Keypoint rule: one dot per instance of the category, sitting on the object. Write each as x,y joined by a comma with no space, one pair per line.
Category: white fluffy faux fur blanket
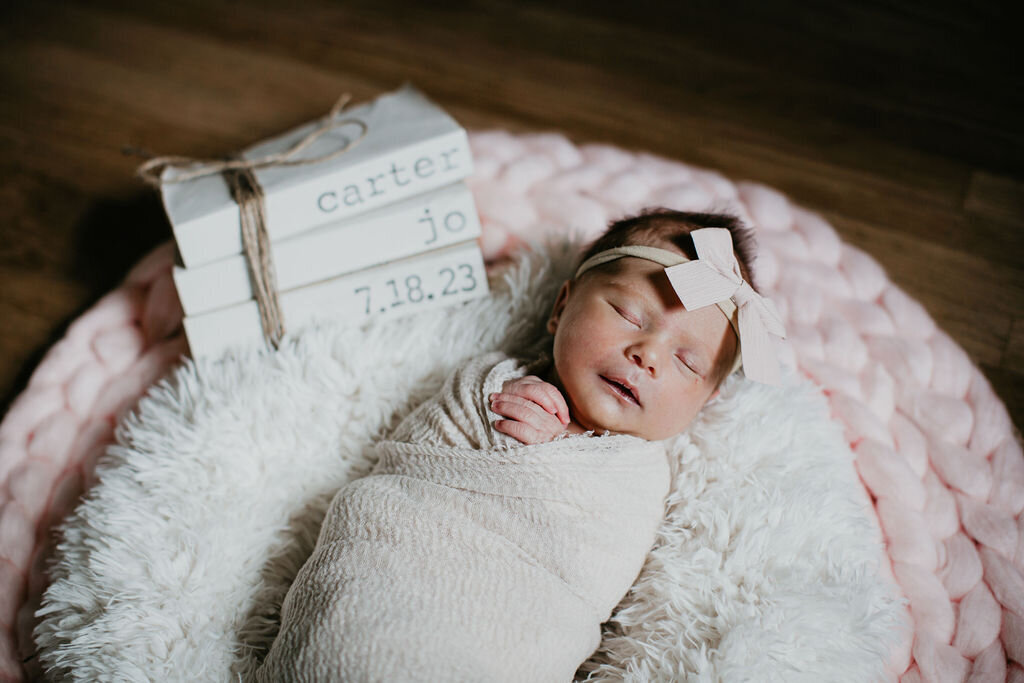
466,556
764,569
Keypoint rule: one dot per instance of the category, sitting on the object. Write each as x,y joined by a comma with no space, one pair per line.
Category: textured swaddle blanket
465,555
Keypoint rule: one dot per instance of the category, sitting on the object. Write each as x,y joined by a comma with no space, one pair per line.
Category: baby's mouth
623,390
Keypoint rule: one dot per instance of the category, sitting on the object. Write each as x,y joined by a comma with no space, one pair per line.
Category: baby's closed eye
691,364
627,315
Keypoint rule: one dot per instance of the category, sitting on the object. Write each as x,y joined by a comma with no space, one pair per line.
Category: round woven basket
935,447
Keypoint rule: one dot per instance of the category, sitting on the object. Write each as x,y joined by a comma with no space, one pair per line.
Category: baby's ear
556,310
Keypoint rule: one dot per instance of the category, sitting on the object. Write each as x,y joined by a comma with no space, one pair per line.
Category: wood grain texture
899,122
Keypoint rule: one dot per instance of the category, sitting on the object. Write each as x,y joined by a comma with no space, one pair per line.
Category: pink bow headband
714,278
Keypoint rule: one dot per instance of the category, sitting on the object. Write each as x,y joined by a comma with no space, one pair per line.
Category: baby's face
629,358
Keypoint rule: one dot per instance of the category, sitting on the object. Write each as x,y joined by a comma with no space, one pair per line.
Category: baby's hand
535,410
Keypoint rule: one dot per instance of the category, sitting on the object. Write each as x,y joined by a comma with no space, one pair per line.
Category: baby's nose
646,359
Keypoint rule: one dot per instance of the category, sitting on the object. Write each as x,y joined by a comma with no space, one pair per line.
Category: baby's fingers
539,425
521,432
519,408
544,394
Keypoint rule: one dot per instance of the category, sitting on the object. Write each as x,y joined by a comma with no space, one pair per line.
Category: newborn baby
507,516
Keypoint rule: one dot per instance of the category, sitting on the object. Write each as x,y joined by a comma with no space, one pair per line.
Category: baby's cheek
682,411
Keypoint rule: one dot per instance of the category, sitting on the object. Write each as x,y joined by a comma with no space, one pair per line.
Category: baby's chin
642,432
649,432
600,418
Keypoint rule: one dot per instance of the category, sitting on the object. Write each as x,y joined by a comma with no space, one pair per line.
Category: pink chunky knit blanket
935,447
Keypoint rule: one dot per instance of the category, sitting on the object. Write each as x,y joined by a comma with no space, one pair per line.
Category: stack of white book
384,229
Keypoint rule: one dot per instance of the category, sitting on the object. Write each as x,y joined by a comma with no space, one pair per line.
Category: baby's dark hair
655,226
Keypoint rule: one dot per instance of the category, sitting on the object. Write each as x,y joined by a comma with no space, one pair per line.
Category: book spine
332,197
426,222
446,276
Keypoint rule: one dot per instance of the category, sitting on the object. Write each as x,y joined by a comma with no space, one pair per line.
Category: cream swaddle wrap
466,556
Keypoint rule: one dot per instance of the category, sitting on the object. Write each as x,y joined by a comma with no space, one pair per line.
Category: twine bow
247,192
714,278
152,171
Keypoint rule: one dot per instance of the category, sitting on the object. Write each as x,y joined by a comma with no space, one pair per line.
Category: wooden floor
901,122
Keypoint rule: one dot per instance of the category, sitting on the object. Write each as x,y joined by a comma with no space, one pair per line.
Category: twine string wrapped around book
247,192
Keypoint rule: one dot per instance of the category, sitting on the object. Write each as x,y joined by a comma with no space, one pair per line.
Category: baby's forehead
625,270
633,275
